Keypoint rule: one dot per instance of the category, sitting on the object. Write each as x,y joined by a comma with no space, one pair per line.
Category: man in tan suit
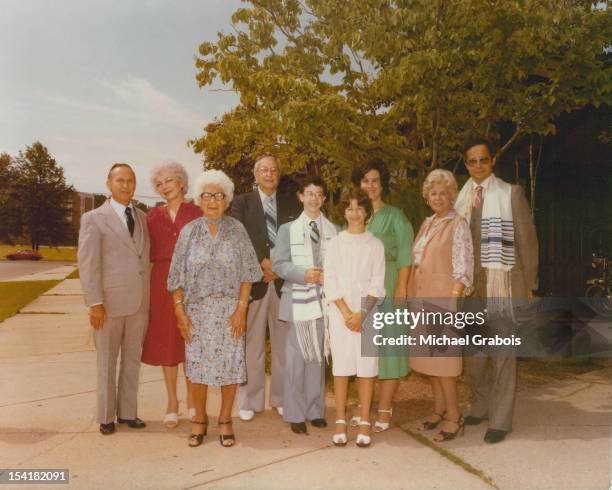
505,273
114,269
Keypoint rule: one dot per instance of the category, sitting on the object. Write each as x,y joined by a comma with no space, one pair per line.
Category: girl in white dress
354,269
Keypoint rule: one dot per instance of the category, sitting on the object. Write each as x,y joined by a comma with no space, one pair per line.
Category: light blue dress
209,269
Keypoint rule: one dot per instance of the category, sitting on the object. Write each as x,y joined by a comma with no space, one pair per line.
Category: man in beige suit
505,275
114,269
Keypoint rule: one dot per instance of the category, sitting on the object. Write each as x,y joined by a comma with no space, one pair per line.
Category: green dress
391,226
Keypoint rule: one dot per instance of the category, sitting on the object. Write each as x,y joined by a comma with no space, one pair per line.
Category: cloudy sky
108,80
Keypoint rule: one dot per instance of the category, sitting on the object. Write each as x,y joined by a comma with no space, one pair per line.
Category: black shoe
298,427
495,435
320,423
132,423
107,429
196,439
226,440
471,420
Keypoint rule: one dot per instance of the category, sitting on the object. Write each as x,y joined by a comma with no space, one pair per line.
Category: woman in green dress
391,226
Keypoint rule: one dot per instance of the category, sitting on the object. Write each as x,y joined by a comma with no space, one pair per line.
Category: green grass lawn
74,274
66,254
15,295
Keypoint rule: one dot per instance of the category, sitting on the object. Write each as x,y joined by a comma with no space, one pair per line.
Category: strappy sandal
363,440
340,439
229,438
196,439
429,425
383,426
171,420
355,419
449,436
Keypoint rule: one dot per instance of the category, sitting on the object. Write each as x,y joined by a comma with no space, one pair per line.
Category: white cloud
152,104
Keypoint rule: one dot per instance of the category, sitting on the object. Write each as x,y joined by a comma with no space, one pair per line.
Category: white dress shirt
120,210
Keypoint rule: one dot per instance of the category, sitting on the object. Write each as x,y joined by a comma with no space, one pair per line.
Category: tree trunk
533,172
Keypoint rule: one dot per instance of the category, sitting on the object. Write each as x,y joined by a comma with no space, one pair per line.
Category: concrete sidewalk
47,380
52,274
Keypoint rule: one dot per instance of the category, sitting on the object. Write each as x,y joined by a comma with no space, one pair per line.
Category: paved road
10,269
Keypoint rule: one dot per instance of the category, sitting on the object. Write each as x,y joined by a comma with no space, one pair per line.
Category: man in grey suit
113,260
511,256
298,259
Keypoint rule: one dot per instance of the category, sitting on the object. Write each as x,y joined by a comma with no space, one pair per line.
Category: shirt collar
263,196
120,208
308,219
449,215
485,183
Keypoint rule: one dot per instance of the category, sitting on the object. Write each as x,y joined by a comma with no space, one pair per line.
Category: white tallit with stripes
497,252
306,306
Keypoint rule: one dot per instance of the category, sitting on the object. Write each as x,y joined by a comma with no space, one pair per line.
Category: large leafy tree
41,196
326,84
10,214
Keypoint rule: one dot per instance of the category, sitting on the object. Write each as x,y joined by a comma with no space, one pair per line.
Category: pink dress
163,345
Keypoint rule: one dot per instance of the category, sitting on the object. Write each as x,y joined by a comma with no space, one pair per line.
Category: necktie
130,220
315,236
478,197
270,214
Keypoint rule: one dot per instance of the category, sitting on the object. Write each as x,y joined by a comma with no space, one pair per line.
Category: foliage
39,197
326,84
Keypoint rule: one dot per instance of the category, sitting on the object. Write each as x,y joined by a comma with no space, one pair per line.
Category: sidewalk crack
453,458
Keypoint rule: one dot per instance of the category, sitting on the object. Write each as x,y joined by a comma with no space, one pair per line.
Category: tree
10,213
326,84
42,196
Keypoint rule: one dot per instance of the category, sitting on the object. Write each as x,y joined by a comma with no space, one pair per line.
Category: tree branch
509,143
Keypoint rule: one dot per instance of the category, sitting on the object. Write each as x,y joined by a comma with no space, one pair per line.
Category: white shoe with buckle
383,426
340,439
363,440
246,415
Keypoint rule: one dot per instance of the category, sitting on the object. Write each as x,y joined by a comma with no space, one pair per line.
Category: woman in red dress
163,345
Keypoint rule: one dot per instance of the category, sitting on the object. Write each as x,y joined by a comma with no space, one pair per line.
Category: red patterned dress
163,345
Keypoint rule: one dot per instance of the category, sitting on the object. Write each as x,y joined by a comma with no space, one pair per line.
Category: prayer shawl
497,253
306,306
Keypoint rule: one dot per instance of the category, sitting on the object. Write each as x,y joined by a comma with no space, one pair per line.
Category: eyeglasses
482,162
268,170
209,196
161,183
317,195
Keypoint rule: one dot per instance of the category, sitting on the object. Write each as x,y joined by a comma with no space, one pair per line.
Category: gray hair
259,158
177,170
440,176
217,177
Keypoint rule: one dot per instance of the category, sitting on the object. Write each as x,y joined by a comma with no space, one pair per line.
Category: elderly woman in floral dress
213,268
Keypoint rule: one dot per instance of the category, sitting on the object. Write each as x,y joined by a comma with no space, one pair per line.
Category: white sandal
362,439
355,419
383,426
171,420
340,439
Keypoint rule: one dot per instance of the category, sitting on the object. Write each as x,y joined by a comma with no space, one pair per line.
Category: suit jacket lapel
141,232
259,210
116,226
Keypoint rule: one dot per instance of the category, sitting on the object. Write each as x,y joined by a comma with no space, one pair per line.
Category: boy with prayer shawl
505,273
298,259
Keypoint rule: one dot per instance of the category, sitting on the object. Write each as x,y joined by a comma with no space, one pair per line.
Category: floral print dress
209,269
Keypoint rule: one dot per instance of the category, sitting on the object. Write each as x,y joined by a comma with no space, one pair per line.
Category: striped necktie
270,214
315,236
